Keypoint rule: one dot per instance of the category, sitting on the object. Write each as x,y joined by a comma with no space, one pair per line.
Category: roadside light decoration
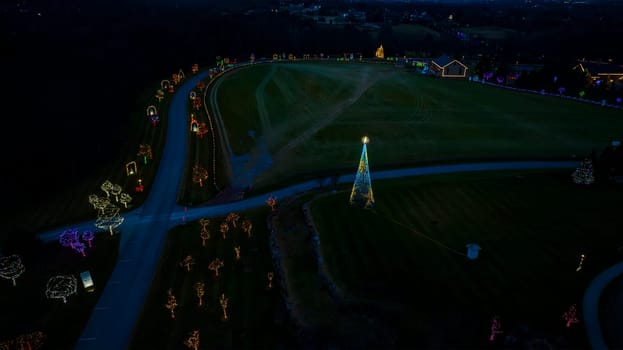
201,86
11,267
197,104
61,287
187,262
165,84
200,291
139,186
581,263
271,201
224,229
171,303
159,95
195,68
131,168
99,203
232,218
223,300
175,78
194,124
192,95
216,265
202,129
116,190
154,119
270,276
205,235
496,328
237,252
199,175
87,281
247,226
88,237
151,110
181,74
192,342
28,341
571,316
106,187
109,219
144,150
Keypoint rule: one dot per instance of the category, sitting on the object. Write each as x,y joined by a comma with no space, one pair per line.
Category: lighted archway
165,84
151,111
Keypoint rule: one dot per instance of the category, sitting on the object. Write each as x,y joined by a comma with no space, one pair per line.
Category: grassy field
312,116
404,262
26,309
257,315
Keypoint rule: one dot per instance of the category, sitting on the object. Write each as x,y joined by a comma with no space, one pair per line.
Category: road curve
144,230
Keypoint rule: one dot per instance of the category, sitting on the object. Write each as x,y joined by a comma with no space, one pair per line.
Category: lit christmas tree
584,174
362,195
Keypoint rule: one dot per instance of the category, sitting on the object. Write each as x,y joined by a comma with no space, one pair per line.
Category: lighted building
447,67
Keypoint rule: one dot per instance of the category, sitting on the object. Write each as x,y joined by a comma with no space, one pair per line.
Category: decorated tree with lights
30,341
80,247
93,198
202,129
60,287
192,341
204,222
205,235
224,301
224,229
232,218
125,198
106,187
187,262
200,291
237,252
247,226
116,190
100,203
361,194
200,174
69,238
109,219
216,265
571,316
144,151
11,267
271,202
584,174
171,302
88,237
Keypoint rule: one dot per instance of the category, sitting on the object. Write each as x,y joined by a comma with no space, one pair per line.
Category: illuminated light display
361,194
116,190
139,186
171,303
192,95
204,222
159,95
195,68
472,251
125,198
224,229
175,78
205,235
87,281
29,341
197,103
232,218
201,86
194,124
275,56
584,174
496,328
154,119
247,226
271,201
192,341
88,237
131,168
380,53
270,276
106,187
199,291
99,203
144,150
11,267
60,287
79,247
237,252
187,262
571,316
181,74
202,129
109,218
200,174
68,238
151,110
581,263
216,265
224,302
165,84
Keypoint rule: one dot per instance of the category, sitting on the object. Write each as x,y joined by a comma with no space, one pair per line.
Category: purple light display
88,236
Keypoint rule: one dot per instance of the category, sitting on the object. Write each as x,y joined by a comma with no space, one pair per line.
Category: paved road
144,230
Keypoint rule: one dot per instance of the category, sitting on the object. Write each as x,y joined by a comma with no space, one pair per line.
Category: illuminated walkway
144,231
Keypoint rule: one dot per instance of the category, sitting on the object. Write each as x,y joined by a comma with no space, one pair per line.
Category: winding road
144,230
